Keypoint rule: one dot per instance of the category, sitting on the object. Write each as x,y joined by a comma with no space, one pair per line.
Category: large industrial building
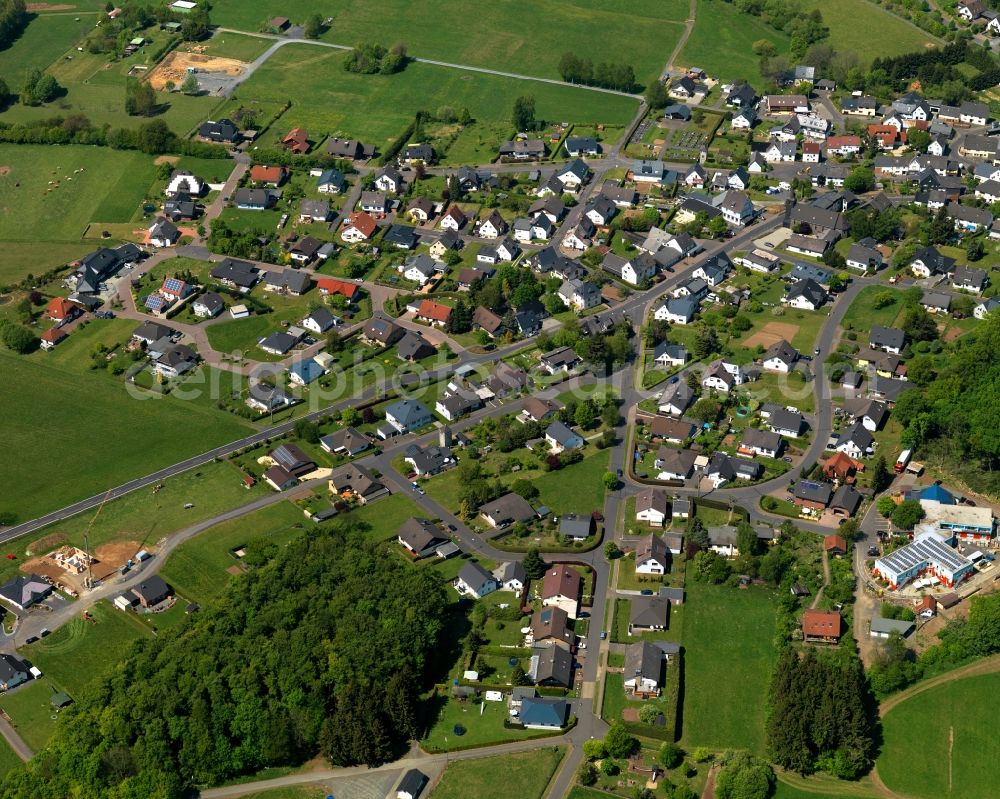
928,555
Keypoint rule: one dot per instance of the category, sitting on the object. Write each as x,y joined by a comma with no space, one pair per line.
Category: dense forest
820,714
322,648
954,418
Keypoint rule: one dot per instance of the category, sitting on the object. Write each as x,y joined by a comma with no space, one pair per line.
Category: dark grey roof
649,611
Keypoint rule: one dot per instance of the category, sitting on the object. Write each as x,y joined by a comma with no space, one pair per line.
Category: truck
902,460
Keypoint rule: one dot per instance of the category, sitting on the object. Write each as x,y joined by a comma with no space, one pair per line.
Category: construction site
71,569
213,73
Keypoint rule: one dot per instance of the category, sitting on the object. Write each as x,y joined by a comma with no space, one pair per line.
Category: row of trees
13,18
306,654
821,716
578,69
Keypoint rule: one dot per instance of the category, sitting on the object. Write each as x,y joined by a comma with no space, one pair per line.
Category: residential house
296,141
240,275
935,302
559,437
355,482
473,580
411,785
266,399
805,294
579,294
420,537
576,527
673,431
420,153
23,591
208,305
346,441
434,313
927,262
864,256
573,175
485,319
420,209
407,415
175,361
13,672
855,441
550,624
736,208
414,347
648,614
382,332
358,227
506,510
760,442
453,219
420,269
723,376
511,577
493,227
389,179
220,132
349,149
668,355
536,409
842,468
558,360
651,555
287,281
163,233
969,278
651,506
562,587
543,714
674,464
845,501
678,310
402,237
577,146
152,591
523,149
331,181
643,668
780,357
448,242
815,496
821,626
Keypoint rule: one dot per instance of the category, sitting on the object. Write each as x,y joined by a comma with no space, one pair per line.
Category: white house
651,556
473,580
186,183
651,506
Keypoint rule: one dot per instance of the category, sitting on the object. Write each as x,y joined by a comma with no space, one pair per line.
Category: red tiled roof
821,623
267,174
363,221
834,542
843,141
53,335
434,311
330,285
59,309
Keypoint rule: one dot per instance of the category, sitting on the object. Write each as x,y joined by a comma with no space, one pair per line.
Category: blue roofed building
304,372
543,714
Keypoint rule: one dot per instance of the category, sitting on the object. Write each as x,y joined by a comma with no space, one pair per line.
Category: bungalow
61,311
434,313
414,347
537,410
374,202
421,153
265,399
523,149
152,591
648,614
807,245
760,442
356,483
420,537
473,580
967,218
783,421
577,146
287,281
24,591
562,587
559,437
349,149
236,274
562,359
576,527
402,237
651,172
458,403
51,337
864,256
506,510
346,441
651,506
935,302
969,278
272,176
673,431
314,211
543,714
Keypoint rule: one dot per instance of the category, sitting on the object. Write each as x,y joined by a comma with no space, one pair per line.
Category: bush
671,755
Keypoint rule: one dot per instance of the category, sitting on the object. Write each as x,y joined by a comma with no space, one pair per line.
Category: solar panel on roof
173,285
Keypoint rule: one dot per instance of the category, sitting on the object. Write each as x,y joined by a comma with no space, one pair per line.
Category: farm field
197,568
523,774
31,712
125,437
42,221
850,22
326,100
726,632
79,652
822,786
225,44
953,742
450,30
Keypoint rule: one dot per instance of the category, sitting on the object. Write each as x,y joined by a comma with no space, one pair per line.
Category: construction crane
86,540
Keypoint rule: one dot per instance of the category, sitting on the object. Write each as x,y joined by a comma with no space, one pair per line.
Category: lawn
483,723
576,489
326,100
121,437
446,30
78,652
727,632
850,21
225,44
821,786
8,760
945,725
53,193
31,713
525,775
197,568
862,313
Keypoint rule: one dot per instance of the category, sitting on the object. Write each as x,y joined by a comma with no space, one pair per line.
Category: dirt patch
66,566
234,570
4,171
47,543
38,7
951,334
174,67
770,333
166,159
630,714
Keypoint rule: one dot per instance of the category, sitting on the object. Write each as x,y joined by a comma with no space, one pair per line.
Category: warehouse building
926,556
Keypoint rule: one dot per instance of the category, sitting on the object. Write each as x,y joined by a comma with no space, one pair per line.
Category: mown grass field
41,223
79,652
197,568
526,38
8,760
233,45
31,714
862,313
851,23
729,653
326,100
78,432
47,38
945,725
523,774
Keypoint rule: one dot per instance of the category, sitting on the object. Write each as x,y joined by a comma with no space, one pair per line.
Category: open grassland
945,725
80,651
822,786
727,632
197,568
103,435
523,774
51,194
8,760
527,38
326,100
851,23
862,313
47,38
234,45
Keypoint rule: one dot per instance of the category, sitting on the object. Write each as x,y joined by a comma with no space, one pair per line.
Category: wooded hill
321,649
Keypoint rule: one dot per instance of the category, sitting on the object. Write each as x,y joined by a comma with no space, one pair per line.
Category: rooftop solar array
925,549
